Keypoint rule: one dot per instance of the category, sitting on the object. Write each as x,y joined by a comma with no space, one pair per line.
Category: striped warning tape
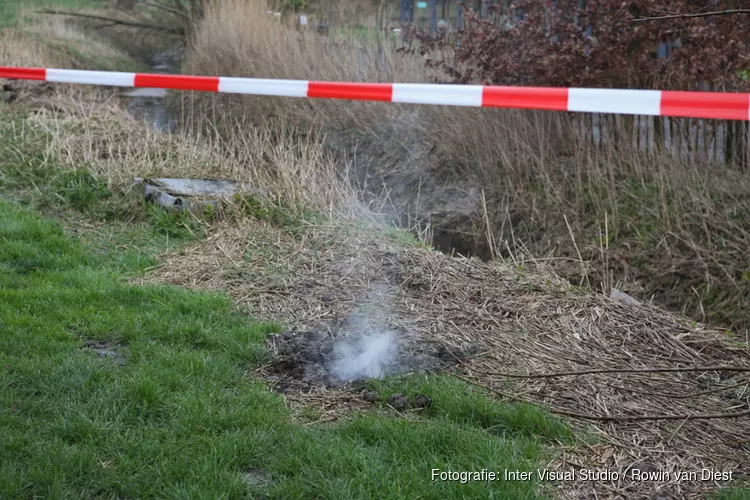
717,105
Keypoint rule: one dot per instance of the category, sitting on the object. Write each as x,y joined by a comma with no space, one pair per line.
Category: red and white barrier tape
717,105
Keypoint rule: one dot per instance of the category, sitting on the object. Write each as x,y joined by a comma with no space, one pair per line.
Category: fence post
736,144
659,140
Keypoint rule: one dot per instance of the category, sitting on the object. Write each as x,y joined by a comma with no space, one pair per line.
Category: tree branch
701,14
104,25
178,31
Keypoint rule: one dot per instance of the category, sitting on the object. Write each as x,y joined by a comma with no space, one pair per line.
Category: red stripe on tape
177,82
358,91
717,105
23,73
525,97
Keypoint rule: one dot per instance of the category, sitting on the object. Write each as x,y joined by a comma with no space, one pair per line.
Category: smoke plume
366,355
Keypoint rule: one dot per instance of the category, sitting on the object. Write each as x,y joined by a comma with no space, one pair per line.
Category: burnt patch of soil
106,350
312,358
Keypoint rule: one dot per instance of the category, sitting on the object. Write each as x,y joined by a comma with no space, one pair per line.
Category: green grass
732,494
275,213
32,178
405,238
180,417
455,403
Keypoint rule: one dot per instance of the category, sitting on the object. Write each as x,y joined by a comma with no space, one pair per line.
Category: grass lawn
175,414
168,407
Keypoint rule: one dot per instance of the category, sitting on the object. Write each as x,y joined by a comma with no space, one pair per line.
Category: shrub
579,43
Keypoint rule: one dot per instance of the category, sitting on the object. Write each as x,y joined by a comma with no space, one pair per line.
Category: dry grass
94,130
227,42
88,126
52,41
518,320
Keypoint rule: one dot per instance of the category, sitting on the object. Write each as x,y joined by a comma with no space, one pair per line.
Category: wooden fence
716,141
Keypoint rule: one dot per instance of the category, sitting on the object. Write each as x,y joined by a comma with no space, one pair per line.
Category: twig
180,31
580,258
496,391
620,370
226,254
103,25
702,14
605,418
267,290
671,437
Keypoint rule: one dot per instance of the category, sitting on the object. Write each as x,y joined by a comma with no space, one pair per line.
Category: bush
574,43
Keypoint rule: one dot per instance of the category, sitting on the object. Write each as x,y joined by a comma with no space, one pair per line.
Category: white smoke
368,355
366,347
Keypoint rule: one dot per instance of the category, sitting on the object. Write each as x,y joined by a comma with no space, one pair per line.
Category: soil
304,360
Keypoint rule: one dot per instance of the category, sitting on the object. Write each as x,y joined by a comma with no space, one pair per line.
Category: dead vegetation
57,42
84,126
